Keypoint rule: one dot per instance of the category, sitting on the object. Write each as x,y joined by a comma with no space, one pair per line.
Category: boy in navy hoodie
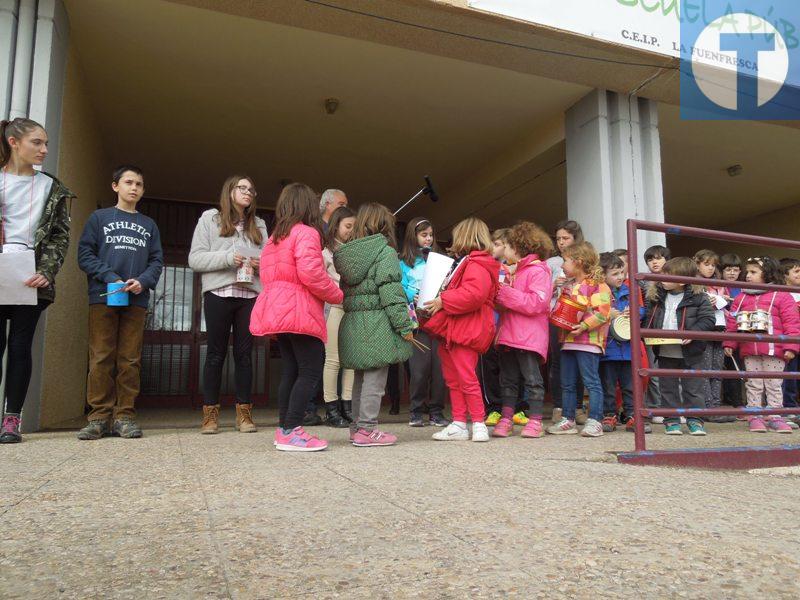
615,364
118,245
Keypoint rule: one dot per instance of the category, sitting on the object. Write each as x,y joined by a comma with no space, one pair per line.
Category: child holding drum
775,313
120,252
583,344
615,364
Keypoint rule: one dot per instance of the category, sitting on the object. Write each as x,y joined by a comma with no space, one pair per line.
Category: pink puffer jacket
525,306
785,321
295,286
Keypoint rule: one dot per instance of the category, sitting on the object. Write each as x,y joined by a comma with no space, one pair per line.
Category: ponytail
16,128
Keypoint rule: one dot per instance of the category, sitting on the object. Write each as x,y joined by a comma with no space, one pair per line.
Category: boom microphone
431,192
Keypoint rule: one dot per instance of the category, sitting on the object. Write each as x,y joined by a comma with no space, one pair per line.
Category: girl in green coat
376,330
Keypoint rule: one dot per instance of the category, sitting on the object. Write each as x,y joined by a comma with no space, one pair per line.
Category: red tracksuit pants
458,369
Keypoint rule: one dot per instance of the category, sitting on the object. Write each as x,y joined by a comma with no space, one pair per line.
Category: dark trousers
489,378
732,388
790,385
521,365
222,315
22,320
302,360
426,385
554,371
683,392
577,366
613,372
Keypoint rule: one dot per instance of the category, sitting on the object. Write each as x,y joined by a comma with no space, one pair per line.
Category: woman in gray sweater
226,247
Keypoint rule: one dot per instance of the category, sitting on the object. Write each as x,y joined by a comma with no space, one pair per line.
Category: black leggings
23,321
302,359
222,314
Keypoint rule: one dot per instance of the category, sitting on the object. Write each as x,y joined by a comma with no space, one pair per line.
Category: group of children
347,300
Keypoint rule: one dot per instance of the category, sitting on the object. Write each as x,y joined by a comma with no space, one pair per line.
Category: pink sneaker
757,425
504,428
364,438
298,440
533,429
778,425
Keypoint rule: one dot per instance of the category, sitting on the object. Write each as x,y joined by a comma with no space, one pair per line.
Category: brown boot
244,418
210,419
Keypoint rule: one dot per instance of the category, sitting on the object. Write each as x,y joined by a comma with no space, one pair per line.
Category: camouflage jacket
51,239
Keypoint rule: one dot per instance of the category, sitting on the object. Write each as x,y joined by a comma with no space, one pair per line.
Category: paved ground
179,515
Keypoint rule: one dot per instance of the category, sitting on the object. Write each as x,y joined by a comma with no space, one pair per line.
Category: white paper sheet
436,269
15,269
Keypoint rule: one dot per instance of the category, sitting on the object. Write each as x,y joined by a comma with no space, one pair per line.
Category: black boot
312,419
333,416
347,410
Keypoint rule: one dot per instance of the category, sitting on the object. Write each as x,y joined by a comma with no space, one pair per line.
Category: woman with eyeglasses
226,247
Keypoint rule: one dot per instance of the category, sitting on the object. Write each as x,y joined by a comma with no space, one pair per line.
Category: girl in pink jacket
295,288
522,340
784,319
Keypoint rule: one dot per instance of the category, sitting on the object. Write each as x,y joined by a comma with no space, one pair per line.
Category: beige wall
82,168
784,224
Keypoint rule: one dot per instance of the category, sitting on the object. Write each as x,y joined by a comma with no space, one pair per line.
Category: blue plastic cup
116,298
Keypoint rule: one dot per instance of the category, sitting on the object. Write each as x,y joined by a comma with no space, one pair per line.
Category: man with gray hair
329,202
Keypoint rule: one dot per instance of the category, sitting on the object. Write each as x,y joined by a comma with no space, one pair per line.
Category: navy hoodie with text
118,245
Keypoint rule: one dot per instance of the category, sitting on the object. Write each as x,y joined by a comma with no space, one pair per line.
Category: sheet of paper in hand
15,269
436,269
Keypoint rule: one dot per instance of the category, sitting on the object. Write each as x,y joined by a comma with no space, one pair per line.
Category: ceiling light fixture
331,105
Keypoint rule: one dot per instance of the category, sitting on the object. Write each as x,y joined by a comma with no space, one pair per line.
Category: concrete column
36,68
614,167
9,11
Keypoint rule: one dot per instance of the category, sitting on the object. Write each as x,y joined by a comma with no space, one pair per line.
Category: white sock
461,424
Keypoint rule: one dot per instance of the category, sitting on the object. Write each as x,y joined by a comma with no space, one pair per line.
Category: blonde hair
469,235
374,218
584,254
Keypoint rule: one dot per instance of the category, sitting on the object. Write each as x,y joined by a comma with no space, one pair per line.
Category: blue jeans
790,385
587,364
611,373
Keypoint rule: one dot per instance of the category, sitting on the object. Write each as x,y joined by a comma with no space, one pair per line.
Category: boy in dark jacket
615,364
675,306
118,245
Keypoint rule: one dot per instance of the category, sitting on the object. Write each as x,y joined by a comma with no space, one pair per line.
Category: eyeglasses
246,190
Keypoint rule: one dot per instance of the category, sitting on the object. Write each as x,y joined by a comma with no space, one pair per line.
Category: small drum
743,322
759,321
621,329
567,313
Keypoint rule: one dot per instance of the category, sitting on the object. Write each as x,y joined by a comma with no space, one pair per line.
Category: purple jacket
525,306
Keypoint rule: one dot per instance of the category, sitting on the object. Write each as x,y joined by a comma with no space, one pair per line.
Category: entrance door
175,340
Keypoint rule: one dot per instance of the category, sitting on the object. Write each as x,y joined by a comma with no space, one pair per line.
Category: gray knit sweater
212,255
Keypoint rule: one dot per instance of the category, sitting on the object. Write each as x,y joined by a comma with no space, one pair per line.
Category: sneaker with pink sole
298,440
365,439
778,425
504,428
757,425
533,429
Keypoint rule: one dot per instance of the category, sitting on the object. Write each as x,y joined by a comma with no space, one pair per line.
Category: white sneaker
658,420
480,433
454,432
592,428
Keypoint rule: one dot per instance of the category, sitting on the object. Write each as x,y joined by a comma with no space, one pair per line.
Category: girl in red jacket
462,318
784,319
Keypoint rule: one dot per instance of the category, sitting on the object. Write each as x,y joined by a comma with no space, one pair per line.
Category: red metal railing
638,333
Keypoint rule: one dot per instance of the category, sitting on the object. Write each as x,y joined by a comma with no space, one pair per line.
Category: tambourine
620,329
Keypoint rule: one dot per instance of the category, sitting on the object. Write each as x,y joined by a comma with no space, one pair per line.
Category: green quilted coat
375,306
